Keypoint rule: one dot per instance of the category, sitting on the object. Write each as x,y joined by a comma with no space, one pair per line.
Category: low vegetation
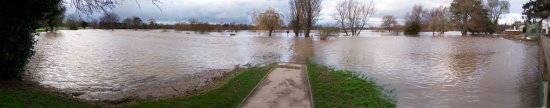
229,95
327,31
341,88
20,94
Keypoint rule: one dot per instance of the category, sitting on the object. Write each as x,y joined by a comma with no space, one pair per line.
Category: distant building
514,29
546,26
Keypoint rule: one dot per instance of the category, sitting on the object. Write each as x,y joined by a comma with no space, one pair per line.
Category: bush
72,22
19,20
412,29
326,32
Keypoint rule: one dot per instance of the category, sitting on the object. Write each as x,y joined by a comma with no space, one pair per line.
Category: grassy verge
341,88
42,29
31,98
15,95
227,96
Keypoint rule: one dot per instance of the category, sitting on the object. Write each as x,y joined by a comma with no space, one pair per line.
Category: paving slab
285,87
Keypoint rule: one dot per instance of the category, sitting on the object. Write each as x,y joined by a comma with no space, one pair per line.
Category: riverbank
227,96
341,88
230,91
24,94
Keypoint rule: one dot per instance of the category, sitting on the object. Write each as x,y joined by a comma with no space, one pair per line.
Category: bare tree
389,23
136,22
354,15
152,23
305,13
109,20
414,20
296,16
496,8
342,11
463,11
54,18
439,20
127,23
91,6
312,11
268,20
72,22
94,23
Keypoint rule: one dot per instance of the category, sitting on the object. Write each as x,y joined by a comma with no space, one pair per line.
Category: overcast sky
226,11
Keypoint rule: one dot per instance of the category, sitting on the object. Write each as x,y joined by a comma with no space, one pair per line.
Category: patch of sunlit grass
341,88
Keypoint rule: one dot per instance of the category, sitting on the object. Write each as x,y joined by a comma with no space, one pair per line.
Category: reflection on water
422,71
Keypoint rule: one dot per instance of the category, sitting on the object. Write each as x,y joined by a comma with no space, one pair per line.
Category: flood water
423,71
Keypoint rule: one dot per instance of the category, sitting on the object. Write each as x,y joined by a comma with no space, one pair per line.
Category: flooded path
286,86
424,71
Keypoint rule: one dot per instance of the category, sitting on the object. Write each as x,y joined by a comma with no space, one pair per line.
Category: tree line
473,16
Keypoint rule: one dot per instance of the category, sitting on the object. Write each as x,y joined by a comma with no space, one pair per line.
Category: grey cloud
225,11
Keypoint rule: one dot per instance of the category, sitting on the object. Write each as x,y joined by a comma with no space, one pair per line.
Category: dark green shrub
412,29
19,19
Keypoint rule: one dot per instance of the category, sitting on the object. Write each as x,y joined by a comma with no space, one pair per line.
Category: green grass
228,96
341,88
42,29
37,99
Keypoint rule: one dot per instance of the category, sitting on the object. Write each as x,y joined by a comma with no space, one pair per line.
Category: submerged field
229,94
341,88
423,71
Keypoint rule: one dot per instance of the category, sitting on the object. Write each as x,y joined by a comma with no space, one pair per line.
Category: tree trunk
344,28
307,29
270,31
306,32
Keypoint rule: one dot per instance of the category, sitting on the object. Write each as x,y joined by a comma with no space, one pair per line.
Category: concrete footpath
285,87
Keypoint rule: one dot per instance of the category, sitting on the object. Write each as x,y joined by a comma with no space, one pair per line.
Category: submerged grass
38,99
227,96
341,88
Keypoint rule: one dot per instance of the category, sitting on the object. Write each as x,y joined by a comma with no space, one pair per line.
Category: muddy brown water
423,71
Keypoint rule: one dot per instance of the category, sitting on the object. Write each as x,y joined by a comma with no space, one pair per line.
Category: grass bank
341,88
227,96
24,95
42,29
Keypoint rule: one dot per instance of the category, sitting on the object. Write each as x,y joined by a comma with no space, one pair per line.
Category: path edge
309,86
254,89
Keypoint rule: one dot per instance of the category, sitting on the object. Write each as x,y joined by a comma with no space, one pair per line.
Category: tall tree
342,11
463,11
127,23
536,11
152,23
83,24
54,18
136,22
354,15
109,20
389,23
72,22
439,20
304,15
312,11
496,8
296,16
19,21
414,19
480,21
269,20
